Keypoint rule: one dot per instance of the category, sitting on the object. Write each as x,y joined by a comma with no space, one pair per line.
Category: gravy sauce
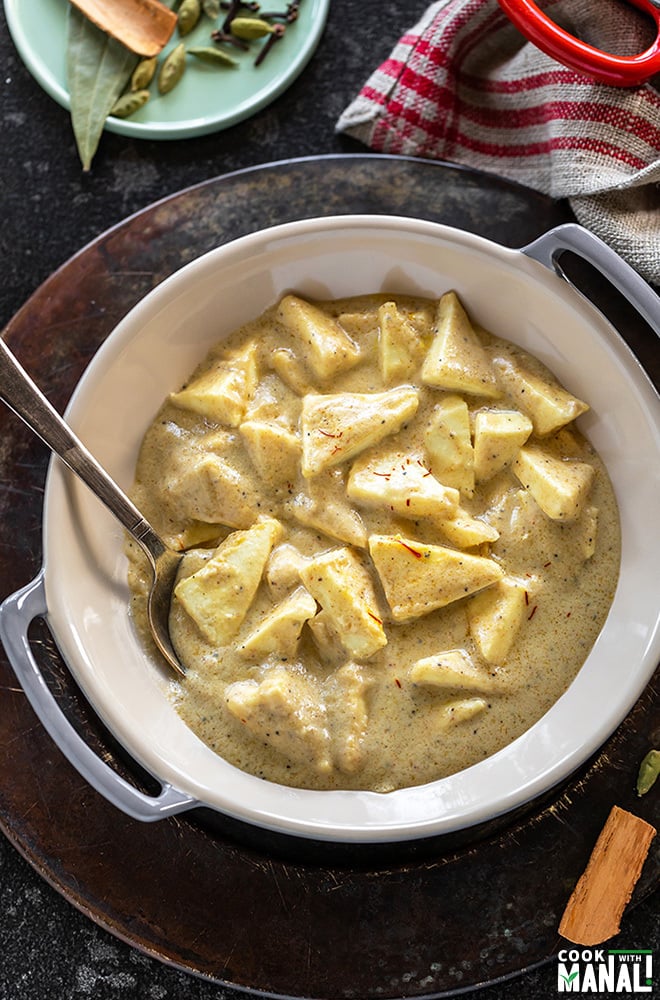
400,549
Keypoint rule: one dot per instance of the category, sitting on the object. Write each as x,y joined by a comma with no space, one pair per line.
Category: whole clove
232,10
275,35
288,16
220,36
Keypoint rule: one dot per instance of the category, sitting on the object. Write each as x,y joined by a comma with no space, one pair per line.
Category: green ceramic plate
207,99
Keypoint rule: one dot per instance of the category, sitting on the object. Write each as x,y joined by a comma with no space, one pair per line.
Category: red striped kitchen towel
464,86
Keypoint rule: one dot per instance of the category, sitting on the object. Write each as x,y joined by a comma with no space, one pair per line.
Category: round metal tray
238,906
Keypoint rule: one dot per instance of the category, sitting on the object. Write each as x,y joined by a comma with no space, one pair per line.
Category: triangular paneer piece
559,486
345,692
218,596
338,426
212,490
456,359
419,578
399,343
464,531
454,713
324,347
279,630
449,445
402,483
273,449
333,517
495,617
548,405
452,669
498,436
343,587
284,710
282,572
222,392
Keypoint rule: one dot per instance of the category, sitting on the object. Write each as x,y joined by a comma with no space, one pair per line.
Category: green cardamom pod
189,14
211,8
172,69
129,103
211,55
143,73
649,770
249,28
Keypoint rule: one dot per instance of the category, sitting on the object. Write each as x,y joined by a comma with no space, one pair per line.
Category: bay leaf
98,70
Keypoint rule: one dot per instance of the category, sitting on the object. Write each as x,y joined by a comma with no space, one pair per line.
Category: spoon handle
22,396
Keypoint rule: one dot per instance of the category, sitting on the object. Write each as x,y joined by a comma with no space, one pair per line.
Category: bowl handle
16,614
571,236
617,71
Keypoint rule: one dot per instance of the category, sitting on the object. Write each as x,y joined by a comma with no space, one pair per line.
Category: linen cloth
462,85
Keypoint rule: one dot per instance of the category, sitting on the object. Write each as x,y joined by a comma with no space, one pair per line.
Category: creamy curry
399,547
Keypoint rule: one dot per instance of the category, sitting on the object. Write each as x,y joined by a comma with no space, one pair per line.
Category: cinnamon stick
143,26
593,913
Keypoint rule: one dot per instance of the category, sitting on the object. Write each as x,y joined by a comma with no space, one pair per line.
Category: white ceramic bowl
161,340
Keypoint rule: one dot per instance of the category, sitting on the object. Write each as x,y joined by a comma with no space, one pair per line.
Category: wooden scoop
143,26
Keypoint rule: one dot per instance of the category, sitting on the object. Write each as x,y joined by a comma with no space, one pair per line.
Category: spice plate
266,913
207,99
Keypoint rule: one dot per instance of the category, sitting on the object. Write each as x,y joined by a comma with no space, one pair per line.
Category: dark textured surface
454,918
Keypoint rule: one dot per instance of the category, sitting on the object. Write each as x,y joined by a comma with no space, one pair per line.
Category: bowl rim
413,818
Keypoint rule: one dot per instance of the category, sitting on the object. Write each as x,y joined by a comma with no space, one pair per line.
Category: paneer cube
548,405
334,518
342,586
402,483
279,630
419,578
449,444
498,436
221,394
346,701
218,596
454,713
336,427
450,670
456,359
495,617
285,711
559,486
399,344
326,639
588,532
465,531
566,442
274,402
273,449
291,372
283,570
212,490
423,319
322,344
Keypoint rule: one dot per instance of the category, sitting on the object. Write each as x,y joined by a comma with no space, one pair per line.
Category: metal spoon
21,395
143,26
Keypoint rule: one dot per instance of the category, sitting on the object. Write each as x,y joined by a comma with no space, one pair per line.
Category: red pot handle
618,71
